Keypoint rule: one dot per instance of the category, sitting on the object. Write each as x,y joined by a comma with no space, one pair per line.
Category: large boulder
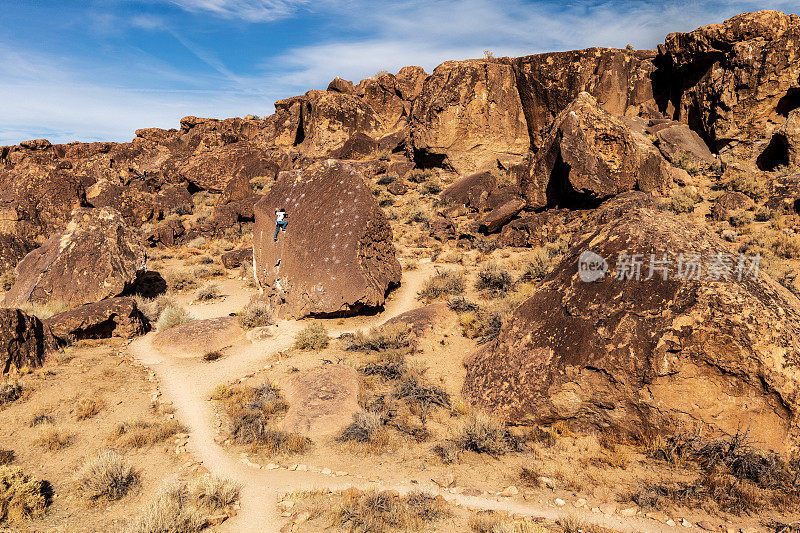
683,147
468,115
647,355
589,155
736,82
23,342
618,79
115,317
336,254
96,257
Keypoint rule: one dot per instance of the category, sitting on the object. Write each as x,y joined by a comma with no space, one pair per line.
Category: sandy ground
188,383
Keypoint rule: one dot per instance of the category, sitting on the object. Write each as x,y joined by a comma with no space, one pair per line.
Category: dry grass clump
142,433
493,279
87,408
213,493
735,476
54,439
41,417
540,263
151,308
746,183
376,512
106,476
10,391
251,412
173,316
387,337
442,285
208,271
682,200
255,315
422,397
43,311
22,497
492,522
368,432
208,293
7,456
484,323
181,280
312,337
419,175
213,355
484,434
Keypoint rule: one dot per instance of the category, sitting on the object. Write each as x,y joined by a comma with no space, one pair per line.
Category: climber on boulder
281,221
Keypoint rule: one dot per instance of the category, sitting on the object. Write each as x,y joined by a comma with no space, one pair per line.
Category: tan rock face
589,155
638,356
199,337
548,83
23,342
336,254
736,82
468,115
321,400
96,257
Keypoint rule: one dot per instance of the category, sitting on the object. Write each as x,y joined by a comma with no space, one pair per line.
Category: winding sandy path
188,383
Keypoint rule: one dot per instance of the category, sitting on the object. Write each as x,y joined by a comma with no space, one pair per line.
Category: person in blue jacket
281,221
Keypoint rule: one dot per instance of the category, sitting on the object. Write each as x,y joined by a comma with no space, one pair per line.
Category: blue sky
99,69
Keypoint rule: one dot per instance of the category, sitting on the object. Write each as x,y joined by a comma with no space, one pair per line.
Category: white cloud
247,10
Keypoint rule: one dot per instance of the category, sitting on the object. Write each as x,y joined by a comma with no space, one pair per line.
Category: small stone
509,491
302,468
706,525
445,481
580,502
547,482
685,523
560,502
326,471
608,509
630,511
671,522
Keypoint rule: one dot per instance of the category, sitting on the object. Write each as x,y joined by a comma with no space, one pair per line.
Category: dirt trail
187,383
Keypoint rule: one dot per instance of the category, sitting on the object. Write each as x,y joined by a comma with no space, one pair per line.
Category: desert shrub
387,337
214,493
384,155
484,434
485,245
432,186
312,337
741,219
197,242
9,392
7,279
41,417
87,408
424,396
374,511
181,281
387,368
273,442
208,293
492,522
22,497
364,427
493,279
745,183
143,433
419,214
43,311
786,246
764,214
171,317
169,511
484,324
53,439
213,355
539,265
151,308
255,315
441,285
682,200
460,304
208,271
419,175
447,451
106,476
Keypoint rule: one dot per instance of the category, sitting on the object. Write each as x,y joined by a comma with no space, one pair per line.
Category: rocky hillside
533,149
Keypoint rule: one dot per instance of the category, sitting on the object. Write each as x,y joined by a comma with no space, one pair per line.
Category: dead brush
54,439
143,433
22,497
484,434
7,456
377,512
255,315
421,396
10,391
441,285
493,280
106,476
87,408
368,431
388,337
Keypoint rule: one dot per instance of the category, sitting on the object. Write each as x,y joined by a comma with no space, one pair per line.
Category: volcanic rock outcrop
23,341
736,82
336,255
96,257
468,115
639,356
115,317
589,155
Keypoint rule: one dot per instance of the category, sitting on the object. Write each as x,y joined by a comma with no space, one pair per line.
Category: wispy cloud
247,10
